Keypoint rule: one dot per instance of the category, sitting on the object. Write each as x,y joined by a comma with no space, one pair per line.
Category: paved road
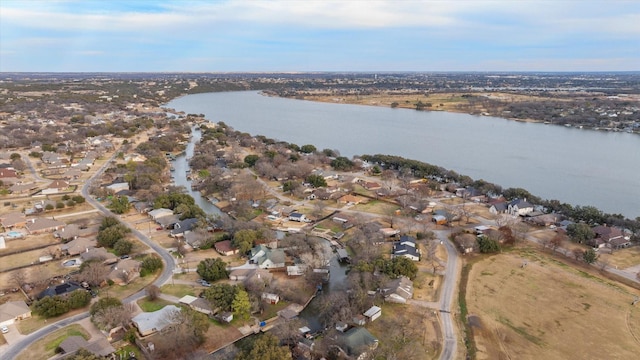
167,272
446,299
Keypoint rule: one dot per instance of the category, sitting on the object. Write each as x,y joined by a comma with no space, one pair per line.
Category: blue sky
319,35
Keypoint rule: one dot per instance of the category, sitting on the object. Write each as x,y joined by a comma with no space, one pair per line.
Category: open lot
549,310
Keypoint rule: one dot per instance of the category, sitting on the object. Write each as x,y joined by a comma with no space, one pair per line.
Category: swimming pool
14,234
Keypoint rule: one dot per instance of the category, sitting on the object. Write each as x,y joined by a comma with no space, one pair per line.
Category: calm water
580,167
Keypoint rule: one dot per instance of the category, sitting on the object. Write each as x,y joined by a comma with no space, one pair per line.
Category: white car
4,329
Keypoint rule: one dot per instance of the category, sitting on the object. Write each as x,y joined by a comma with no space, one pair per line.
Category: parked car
4,329
204,283
124,257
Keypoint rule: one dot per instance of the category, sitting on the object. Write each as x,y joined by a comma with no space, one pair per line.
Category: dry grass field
549,310
45,347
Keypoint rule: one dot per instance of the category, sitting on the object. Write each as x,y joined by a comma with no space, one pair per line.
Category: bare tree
153,292
19,279
113,316
94,272
577,254
556,241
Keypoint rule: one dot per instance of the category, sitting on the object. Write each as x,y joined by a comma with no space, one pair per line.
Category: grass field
178,290
45,348
549,310
151,306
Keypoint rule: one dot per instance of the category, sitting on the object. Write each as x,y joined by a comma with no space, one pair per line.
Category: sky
319,35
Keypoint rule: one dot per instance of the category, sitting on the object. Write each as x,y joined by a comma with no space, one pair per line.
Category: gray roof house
398,290
267,258
151,322
183,227
357,342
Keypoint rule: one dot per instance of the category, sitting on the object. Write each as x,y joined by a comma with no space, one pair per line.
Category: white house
519,207
151,322
373,313
296,216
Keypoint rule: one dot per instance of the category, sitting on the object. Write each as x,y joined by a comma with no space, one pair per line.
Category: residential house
399,290
99,254
60,290
195,239
406,247
349,200
225,248
167,222
466,242
359,320
158,213
149,323
373,313
119,186
439,219
519,207
388,232
13,220
78,246
125,271
296,216
225,316
357,342
55,187
498,208
70,232
100,347
197,304
609,236
371,185
267,258
270,298
13,311
22,188
183,227
7,173
43,225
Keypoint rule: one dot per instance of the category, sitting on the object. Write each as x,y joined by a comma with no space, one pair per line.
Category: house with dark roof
406,247
519,207
183,227
498,208
60,290
609,236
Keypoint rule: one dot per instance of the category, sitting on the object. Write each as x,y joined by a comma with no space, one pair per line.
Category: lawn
541,311
376,207
45,347
178,290
151,306
272,310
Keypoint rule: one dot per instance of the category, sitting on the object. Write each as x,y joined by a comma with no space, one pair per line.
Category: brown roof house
55,187
197,304
225,248
77,246
125,271
43,225
7,173
610,236
13,311
13,220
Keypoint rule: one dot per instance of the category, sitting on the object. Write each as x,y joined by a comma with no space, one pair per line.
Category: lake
579,167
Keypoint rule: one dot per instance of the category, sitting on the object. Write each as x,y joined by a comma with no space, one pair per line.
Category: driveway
13,336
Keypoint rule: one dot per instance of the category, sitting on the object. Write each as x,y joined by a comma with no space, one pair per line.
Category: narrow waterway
179,175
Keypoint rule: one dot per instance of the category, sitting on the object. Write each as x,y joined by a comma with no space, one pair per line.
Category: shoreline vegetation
491,103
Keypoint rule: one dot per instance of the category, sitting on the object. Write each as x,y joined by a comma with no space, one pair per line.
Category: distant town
129,230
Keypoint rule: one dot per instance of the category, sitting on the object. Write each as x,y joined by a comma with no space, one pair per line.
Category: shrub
122,247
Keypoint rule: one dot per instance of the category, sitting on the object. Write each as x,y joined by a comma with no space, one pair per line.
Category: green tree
316,180
120,205
221,295
488,245
48,207
251,160
342,163
122,247
110,236
150,264
400,266
244,240
265,347
59,205
51,306
580,233
108,222
241,305
79,298
104,303
289,186
14,156
307,149
590,256
213,269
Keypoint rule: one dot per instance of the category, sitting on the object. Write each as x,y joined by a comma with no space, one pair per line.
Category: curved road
446,299
167,272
